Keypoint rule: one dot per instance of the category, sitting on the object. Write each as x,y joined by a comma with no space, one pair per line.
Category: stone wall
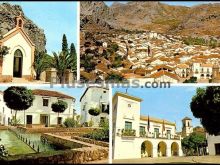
75,156
63,141
91,141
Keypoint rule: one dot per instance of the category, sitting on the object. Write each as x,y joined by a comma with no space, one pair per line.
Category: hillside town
150,57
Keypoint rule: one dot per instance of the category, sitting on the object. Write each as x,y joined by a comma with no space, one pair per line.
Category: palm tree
42,62
61,62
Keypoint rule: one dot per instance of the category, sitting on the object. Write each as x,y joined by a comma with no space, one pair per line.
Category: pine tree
64,44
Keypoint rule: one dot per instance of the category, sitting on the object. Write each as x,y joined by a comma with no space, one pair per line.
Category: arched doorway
146,149
174,149
161,149
18,60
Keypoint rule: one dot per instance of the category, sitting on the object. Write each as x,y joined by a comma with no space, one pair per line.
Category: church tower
187,127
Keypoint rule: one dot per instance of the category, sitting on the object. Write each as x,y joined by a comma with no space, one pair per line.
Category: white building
202,71
19,62
213,144
94,97
40,114
136,136
5,112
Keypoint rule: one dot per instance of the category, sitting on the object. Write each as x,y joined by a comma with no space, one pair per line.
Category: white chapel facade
18,63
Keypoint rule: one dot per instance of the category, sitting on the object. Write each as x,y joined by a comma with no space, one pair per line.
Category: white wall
38,109
14,43
5,112
130,147
212,140
92,99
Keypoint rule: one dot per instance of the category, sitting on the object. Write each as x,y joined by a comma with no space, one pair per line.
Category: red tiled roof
42,92
162,72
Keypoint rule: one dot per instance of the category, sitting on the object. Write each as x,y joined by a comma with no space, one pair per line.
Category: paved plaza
189,159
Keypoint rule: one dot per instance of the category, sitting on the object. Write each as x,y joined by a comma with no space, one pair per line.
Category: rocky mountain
8,13
156,16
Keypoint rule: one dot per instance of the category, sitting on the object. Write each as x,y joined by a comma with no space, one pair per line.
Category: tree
42,62
191,80
4,50
61,62
64,44
192,143
59,107
206,106
73,56
18,98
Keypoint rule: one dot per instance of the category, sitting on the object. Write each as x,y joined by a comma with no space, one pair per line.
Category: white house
202,71
136,136
5,112
40,114
94,97
213,144
19,62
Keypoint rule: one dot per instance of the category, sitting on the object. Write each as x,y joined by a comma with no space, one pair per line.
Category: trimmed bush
94,111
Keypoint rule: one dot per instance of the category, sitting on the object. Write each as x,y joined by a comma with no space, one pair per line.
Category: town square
165,130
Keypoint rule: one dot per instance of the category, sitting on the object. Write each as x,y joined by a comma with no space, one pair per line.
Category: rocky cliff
157,16
8,13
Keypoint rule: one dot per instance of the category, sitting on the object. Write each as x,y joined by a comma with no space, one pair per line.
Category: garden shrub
94,111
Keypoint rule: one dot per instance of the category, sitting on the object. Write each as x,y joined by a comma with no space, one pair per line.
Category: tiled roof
162,66
162,72
207,65
182,66
131,75
43,92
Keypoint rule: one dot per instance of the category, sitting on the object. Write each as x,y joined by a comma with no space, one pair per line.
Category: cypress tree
64,44
73,56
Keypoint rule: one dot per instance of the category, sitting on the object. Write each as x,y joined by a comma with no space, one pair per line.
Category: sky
55,18
74,92
172,104
181,3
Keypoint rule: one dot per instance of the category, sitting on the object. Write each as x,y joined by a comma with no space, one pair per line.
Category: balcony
128,132
144,134
159,135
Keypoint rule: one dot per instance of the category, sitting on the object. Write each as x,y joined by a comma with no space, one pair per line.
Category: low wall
76,156
91,141
3,127
55,129
63,141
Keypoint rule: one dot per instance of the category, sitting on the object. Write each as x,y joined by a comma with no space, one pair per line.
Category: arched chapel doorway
18,60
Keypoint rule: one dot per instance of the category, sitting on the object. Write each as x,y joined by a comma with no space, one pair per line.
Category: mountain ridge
201,19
